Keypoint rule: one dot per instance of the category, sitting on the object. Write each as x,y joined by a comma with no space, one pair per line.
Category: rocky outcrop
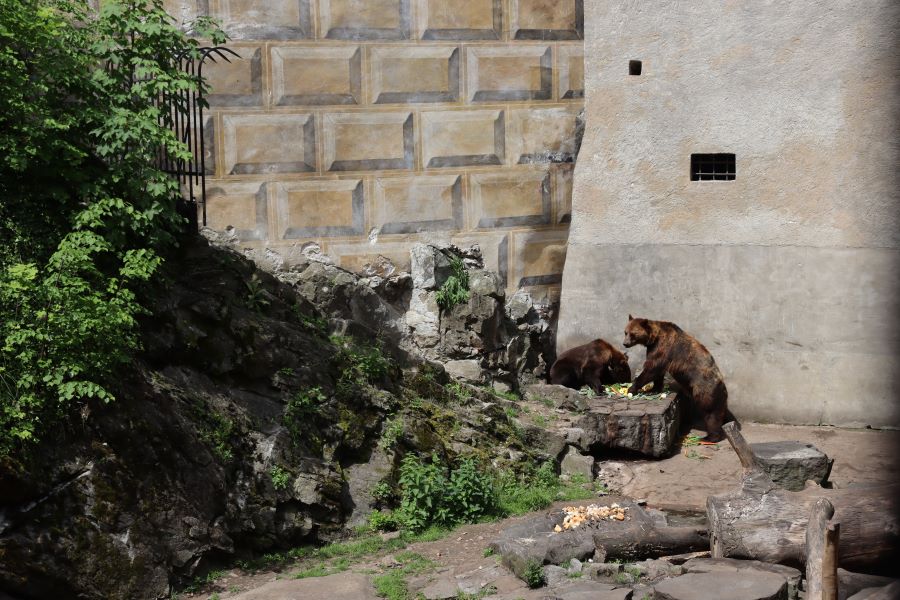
488,339
243,427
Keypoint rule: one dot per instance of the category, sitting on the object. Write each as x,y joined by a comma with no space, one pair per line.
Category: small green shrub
422,485
385,521
429,497
359,364
256,298
299,408
215,431
455,290
393,431
382,492
469,496
534,574
281,478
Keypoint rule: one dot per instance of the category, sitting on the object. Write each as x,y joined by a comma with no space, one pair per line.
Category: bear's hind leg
714,420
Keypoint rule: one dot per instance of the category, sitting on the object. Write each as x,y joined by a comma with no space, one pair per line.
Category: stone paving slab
341,586
744,585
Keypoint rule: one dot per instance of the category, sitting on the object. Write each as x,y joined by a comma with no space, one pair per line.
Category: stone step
740,585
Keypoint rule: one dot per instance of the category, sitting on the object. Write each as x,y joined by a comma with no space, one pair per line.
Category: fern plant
455,290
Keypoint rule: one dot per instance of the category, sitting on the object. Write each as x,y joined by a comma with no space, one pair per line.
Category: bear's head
638,331
617,369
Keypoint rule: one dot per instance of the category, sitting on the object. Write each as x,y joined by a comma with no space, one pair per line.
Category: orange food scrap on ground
576,515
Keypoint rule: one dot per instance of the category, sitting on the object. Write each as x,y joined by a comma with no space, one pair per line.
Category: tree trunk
821,552
763,522
641,541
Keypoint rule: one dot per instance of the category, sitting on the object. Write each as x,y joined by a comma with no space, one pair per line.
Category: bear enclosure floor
681,481
684,480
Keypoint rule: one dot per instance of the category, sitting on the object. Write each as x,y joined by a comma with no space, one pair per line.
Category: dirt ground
680,482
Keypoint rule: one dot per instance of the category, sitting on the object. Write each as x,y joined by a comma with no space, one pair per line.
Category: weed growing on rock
393,431
281,478
382,492
456,289
299,408
256,294
458,392
216,432
359,364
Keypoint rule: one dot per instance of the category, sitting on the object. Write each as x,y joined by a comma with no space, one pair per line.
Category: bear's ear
630,318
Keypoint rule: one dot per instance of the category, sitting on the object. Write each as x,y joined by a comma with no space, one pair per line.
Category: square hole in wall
713,167
634,67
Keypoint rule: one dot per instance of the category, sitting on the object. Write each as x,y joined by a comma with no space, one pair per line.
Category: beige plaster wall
367,125
789,274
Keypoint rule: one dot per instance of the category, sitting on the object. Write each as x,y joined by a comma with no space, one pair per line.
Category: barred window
713,167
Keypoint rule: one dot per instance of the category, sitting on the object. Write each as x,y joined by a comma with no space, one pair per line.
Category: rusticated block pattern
269,19
570,60
236,81
546,19
538,258
510,198
364,19
465,137
307,209
269,143
460,19
368,141
542,135
415,204
379,123
358,256
315,76
241,206
505,73
415,74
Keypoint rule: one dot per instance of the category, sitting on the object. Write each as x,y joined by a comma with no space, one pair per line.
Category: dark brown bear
671,350
594,364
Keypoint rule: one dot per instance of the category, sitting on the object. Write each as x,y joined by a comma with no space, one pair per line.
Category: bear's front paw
633,390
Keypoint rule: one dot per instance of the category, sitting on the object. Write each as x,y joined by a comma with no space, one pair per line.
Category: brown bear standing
671,350
594,364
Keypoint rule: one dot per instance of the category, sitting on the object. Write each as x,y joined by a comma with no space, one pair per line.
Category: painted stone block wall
367,125
790,273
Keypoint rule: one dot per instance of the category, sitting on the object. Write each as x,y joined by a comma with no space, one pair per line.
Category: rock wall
369,125
261,415
789,272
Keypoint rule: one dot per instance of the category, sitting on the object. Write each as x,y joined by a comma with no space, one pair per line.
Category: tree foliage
84,214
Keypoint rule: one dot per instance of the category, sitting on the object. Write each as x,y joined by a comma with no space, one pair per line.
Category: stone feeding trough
647,424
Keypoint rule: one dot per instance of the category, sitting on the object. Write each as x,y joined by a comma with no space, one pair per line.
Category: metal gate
183,113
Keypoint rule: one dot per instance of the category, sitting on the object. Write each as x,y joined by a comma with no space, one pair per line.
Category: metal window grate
713,167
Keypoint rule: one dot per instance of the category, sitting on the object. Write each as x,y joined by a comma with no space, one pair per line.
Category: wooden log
850,583
642,541
821,552
763,522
